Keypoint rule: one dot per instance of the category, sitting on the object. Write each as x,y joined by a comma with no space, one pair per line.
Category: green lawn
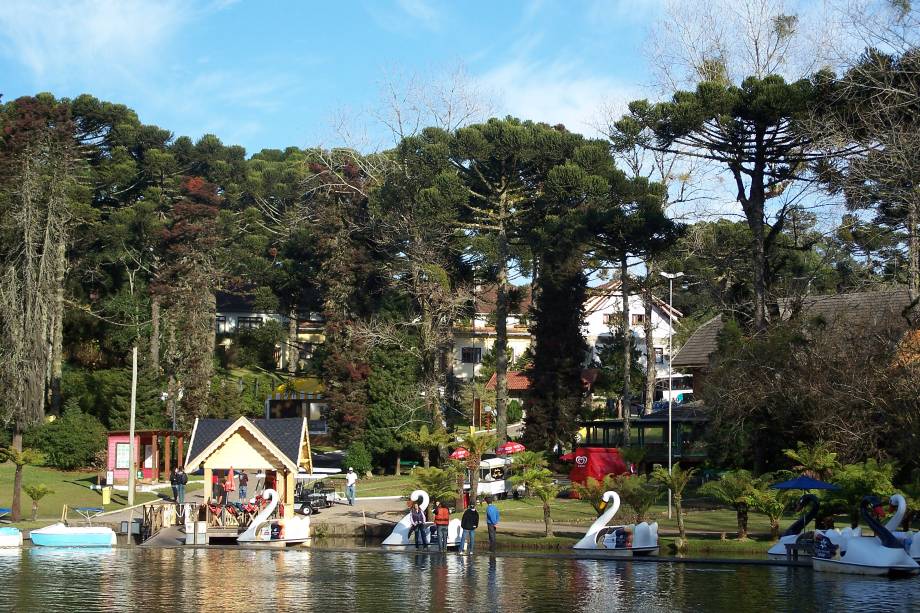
70,488
389,485
579,512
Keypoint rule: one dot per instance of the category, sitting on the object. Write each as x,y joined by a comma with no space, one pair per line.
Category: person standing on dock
244,484
441,520
351,480
181,479
174,482
418,525
215,487
492,517
469,522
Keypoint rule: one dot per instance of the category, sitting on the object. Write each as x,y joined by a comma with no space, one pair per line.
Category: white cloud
557,92
421,11
57,39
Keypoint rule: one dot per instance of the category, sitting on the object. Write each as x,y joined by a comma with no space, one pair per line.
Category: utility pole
132,451
670,277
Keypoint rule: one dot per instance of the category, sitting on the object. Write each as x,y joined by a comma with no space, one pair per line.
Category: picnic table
89,513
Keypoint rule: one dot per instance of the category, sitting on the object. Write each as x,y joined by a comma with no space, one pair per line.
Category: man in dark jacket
181,480
469,522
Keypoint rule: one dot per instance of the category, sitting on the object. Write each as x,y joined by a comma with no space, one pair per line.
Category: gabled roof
696,350
487,296
517,381
872,308
283,437
600,294
869,307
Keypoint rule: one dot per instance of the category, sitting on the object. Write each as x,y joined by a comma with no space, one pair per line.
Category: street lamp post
670,276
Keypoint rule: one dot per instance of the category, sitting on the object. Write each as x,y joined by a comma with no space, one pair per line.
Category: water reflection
40,579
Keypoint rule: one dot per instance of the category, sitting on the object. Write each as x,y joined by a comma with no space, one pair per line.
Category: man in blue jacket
492,518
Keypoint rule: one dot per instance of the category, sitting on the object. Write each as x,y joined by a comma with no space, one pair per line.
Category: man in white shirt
351,479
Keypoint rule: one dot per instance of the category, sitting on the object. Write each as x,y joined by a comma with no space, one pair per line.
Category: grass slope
70,488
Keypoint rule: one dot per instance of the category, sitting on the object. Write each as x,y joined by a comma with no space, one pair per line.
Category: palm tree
540,482
769,501
36,493
593,491
526,460
427,441
637,494
816,461
476,444
734,489
439,483
676,481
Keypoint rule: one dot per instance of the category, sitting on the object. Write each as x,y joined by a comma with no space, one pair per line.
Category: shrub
72,441
358,457
515,412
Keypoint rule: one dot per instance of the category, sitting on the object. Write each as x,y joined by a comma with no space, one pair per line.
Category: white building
602,311
475,338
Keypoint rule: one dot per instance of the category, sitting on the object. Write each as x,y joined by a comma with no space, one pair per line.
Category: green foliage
735,488
676,481
593,490
395,406
637,493
440,484
71,441
253,348
106,395
515,411
37,492
858,480
528,460
358,457
815,460
539,482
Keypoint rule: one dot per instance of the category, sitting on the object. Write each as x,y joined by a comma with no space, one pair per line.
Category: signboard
122,455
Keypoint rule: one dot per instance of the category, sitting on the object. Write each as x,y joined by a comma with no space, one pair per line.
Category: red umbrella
567,457
509,448
459,453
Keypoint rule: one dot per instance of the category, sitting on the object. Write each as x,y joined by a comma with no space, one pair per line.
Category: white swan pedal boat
264,531
399,537
615,540
849,552
61,535
795,532
10,537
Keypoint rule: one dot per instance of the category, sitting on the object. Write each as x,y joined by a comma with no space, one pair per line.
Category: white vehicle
680,387
493,477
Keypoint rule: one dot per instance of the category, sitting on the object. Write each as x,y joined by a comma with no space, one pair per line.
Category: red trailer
596,462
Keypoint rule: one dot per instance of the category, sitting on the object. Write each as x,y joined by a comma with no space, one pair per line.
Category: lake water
235,580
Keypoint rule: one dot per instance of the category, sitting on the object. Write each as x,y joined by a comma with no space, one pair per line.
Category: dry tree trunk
651,368
155,334
627,351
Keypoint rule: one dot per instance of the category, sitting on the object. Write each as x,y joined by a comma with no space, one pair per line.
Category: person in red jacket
441,520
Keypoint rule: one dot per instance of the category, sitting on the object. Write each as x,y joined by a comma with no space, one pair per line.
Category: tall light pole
670,276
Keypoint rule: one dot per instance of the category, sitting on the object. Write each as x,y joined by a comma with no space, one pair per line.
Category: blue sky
275,74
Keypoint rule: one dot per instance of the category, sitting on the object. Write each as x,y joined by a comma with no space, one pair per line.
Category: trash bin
106,495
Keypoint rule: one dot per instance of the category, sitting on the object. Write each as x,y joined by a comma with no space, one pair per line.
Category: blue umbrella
804,483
